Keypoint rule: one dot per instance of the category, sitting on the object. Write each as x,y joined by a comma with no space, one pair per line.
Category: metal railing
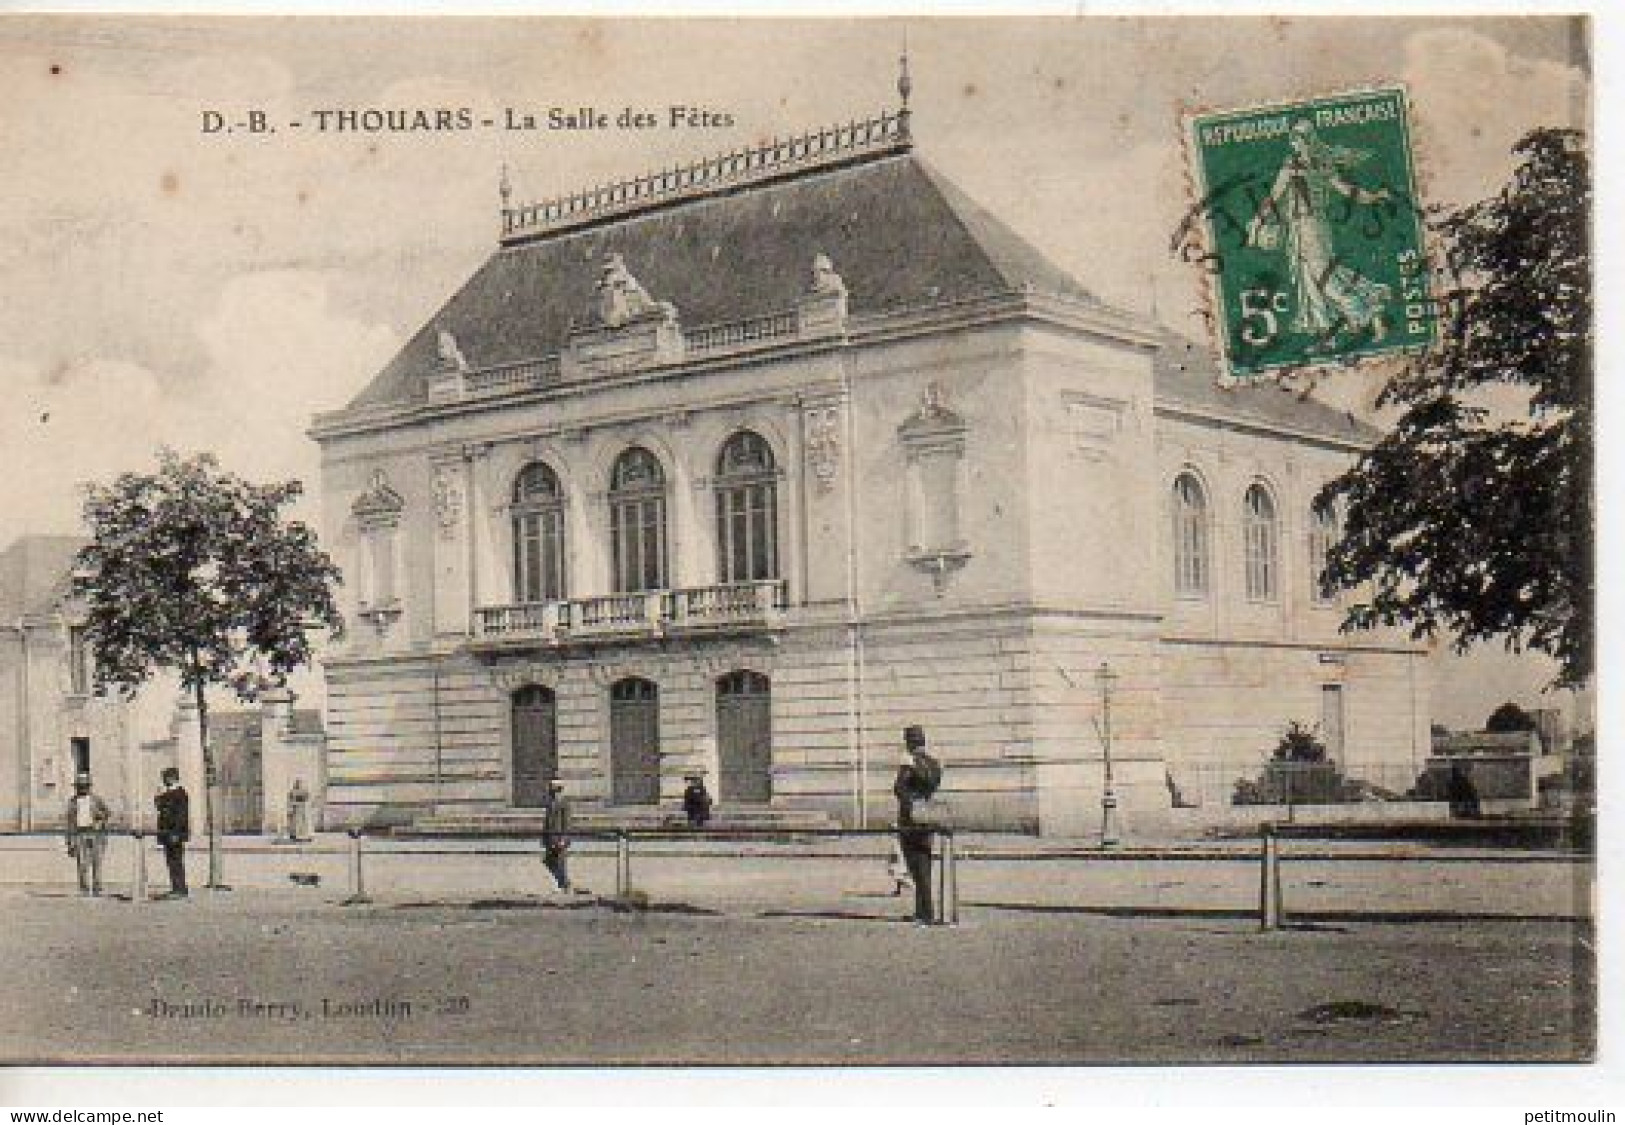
783,156
944,858
1255,782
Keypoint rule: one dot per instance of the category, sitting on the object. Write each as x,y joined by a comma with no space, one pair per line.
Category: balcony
729,608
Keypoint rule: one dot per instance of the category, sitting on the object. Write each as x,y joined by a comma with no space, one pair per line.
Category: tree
195,570
1300,743
1463,519
1509,718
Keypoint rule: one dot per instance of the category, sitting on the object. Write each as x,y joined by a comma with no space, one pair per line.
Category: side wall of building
1237,667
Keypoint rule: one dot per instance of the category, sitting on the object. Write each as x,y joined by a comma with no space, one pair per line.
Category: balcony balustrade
697,609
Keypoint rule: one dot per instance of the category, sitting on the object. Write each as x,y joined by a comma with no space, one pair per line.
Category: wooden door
634,742
535,745
745,738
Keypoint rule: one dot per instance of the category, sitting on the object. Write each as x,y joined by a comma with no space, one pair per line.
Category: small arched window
1323,531
1261,537
538,535
747,510
1190,536
637,508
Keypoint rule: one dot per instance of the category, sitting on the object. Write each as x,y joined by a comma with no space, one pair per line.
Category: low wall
1252,816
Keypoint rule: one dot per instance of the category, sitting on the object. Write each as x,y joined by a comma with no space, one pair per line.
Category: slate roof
1186,375
33,572
897,231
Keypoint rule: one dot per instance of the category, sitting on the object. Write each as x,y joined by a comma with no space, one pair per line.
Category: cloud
1472,101
276,350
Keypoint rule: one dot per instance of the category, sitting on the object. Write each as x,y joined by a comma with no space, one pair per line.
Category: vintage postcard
884,541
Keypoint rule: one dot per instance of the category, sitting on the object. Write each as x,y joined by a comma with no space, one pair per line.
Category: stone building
52,724
741,467
259,753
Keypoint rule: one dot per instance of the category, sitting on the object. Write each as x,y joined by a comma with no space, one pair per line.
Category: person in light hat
86,825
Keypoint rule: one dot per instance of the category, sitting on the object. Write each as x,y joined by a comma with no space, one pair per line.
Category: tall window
1260,535
1322,534
747,510
538,535
1190,536
80,672
637,511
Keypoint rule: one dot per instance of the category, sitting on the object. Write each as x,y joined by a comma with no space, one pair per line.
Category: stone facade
52,724
964,512
259,753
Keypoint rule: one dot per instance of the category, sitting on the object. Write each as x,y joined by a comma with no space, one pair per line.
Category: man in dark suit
918,776
556,835
174,829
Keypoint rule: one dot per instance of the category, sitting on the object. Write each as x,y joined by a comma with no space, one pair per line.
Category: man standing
174,829
918,776
556,834
86,825
298,812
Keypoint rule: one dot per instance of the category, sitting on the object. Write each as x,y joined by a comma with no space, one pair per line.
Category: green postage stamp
1314,241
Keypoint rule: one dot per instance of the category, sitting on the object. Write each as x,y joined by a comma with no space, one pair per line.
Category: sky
164,286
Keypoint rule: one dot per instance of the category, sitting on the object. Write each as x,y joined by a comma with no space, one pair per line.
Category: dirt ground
785,962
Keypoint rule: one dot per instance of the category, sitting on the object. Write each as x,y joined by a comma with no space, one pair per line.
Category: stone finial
451,356
824,277
621,297
821,311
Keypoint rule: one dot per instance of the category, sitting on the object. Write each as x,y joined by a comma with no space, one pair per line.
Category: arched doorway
535,744
634,742
745,738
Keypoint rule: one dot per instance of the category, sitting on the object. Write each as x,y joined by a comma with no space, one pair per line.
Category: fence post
138,869
623,865
1269,880
358,886
950,881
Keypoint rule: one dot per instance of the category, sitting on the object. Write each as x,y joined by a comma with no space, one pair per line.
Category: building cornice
1207,416
1012,306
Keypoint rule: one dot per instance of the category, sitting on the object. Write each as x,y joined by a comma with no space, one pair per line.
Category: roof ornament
451,356
824,278
505,186
621,297
905,87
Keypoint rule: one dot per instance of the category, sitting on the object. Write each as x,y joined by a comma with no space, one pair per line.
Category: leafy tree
1509,718
1462,519
1300,743
195,570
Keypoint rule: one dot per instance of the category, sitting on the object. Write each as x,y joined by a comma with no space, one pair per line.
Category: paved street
463,957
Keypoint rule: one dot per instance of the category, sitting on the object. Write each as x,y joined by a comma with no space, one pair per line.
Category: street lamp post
1108,795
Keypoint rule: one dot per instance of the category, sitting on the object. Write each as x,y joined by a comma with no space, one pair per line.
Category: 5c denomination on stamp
1308,224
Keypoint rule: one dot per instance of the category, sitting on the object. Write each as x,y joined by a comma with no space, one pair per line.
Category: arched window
1260,535
538,536
1322,534
1190,536
747,510
637,512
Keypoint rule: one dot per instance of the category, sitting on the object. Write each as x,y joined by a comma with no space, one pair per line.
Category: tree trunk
211,792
